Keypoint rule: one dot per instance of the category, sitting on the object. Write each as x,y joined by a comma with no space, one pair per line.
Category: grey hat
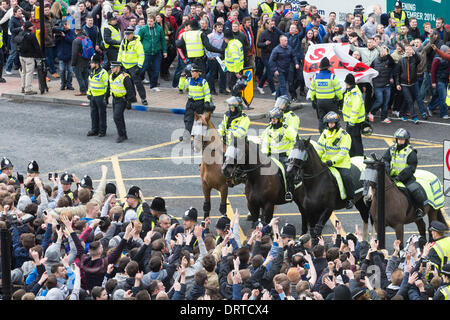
305,238
54,294
118,294
17,276
130,215
23,202
27,268
444,48
53,255
114,242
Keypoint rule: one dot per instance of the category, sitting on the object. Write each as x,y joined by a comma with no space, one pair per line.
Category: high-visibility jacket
234,56
198,89
445,290
131,53
325,85
169,3
442,249
69,193
335,145
447,101
193,42
116,86
139,209
115,35
292,121
400,22
266,9
277,141
98,82
354,110
1,38
237,128
119,5
399,159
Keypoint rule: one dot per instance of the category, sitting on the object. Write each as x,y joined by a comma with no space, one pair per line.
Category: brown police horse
209,142
398,210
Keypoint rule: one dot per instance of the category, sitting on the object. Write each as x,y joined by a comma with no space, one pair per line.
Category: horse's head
369,177
298,155
234,158
200,129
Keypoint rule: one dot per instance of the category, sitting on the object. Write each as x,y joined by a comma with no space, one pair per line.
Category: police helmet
283,102
331,117
6,163
276,113
196,67
234,102
401,134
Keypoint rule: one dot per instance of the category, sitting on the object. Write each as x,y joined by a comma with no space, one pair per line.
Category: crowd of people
271,39
80,243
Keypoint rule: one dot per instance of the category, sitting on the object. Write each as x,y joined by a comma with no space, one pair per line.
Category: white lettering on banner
410,10
341,63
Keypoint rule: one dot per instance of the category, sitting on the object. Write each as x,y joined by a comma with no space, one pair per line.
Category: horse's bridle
240,175
303,175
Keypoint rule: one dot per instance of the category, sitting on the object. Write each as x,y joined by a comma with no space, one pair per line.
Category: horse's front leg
223,198
207,202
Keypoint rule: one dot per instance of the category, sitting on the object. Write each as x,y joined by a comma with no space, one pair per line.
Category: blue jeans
439,95
295,80
82,75
214,72
65,73
268,75
176,76
282,88
50,58
13,57
382,96
152,65
420,95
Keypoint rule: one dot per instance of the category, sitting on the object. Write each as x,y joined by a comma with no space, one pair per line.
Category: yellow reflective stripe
445,292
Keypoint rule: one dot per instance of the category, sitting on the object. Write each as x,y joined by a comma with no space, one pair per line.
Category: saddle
282,174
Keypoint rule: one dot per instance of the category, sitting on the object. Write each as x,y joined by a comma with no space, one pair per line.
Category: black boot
349,204
420,213
120,139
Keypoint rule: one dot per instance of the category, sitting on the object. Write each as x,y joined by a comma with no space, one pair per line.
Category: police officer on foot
199,98
97,92
122,90
326,92
7,169
354,114
440,251
86,183
32,172
131,55
66,182
333,149
399,15
443,292
278,140
111,38
401,162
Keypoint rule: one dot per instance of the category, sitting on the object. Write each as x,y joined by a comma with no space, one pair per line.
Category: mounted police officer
235,123
199,97
333,149
97,95
278,139
7,169
122,90
401,163
354,114
326,92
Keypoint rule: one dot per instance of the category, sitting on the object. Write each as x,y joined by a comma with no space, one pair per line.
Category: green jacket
153,40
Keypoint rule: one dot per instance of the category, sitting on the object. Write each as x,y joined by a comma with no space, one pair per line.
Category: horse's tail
440,216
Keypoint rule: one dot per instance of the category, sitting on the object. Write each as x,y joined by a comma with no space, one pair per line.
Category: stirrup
349,204
420,213
288,196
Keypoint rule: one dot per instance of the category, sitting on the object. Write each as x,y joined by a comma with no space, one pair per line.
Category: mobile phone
330,277
203,224
49,176
424,264
336,223
55,175
227,227
432,267
58,227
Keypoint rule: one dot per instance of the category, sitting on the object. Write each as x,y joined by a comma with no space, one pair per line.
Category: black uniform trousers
119,106
356,148
348,182
135,75
98,113
111,54
191,107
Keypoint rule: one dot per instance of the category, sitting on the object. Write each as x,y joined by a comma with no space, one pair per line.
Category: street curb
39,98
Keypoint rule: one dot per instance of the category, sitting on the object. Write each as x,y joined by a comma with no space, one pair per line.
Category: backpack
87,48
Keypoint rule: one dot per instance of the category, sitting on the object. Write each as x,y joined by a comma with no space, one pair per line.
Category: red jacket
173,25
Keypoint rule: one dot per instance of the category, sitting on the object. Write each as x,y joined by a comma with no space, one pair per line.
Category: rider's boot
349,204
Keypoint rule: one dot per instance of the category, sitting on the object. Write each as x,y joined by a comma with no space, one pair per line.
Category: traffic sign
446,159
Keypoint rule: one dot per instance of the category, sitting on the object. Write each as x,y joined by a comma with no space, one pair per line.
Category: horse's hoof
223,208
251,218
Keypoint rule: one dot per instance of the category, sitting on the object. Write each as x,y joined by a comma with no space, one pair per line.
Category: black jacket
77,59
407,70
384,66
274,39
29,47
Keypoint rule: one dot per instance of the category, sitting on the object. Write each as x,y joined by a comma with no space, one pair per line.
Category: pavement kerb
39,98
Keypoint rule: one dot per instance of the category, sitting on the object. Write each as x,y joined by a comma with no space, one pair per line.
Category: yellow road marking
430,165
154,178
195,197
159,158
230,215
119,179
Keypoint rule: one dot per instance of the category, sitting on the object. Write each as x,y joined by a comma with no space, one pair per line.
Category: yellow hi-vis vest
266,9
442,248
169,3
277,141
193,42
400,22
131,53
238,128
115,35
325,88
119,5
335,145
292,121
447,101
1,38
445,290
98,83
234,56
354,111
197,89
398,159
116,86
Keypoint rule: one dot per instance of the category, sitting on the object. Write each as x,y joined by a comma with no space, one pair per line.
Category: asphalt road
55,136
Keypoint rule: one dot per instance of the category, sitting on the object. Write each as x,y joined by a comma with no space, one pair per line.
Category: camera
227,227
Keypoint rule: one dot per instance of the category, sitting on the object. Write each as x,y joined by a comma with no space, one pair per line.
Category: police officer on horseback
333,149
401,163
278,139
289,117
235,122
